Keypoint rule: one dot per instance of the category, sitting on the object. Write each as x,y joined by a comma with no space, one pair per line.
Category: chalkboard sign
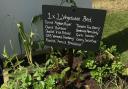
71,27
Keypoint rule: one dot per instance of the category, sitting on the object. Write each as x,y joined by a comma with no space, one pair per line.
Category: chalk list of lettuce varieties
69,27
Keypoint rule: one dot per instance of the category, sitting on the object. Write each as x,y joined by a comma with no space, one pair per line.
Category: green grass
116,32
115,22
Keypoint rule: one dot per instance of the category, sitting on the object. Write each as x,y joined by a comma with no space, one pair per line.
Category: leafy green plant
27,41
117,67
53,61
19,79
90,63
33,76
10,62
47,76
100,73
109,66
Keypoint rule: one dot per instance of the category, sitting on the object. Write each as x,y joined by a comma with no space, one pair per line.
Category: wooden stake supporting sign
70,27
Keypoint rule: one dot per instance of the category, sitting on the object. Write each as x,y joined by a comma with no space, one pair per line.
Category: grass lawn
116,24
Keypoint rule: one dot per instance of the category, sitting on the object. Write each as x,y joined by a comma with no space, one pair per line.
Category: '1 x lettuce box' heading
70,27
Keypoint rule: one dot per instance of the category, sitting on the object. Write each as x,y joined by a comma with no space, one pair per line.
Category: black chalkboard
71,27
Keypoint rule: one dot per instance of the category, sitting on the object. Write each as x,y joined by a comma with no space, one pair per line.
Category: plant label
71,27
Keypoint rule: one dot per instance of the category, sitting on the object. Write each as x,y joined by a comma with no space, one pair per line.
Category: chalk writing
67,28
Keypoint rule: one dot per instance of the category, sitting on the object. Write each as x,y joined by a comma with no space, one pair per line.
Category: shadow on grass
119,39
